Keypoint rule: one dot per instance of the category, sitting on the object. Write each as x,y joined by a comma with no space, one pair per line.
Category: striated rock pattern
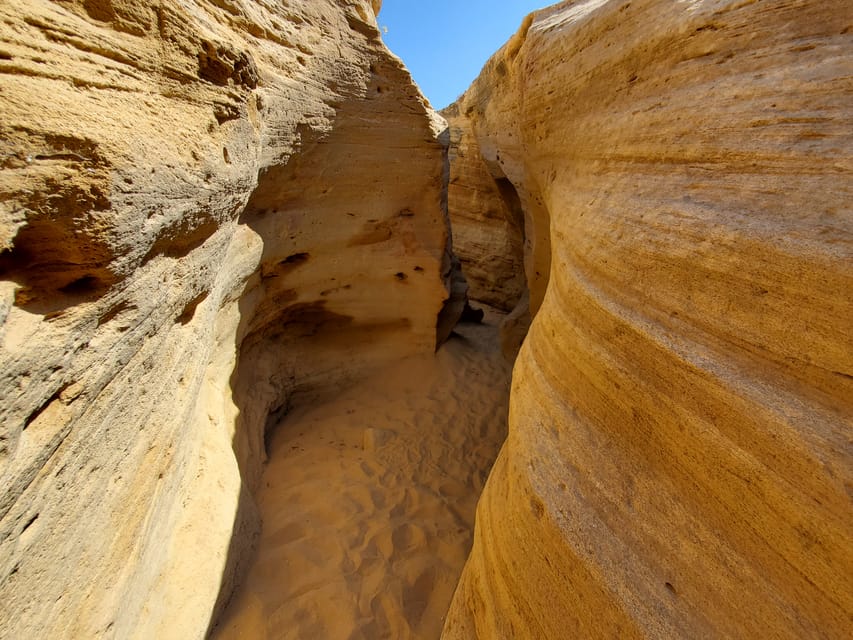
487,220
206,209
679,459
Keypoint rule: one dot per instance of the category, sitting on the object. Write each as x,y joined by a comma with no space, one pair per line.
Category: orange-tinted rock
679,462
487,220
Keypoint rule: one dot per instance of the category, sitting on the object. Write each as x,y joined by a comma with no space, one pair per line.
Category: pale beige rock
206,209
678,463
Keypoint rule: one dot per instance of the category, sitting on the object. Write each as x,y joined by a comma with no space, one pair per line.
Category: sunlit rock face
206,210
679,462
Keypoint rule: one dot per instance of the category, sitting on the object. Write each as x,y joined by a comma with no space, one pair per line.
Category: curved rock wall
487,219
679,460
201,203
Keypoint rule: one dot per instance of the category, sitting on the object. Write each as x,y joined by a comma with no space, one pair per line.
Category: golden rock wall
679,458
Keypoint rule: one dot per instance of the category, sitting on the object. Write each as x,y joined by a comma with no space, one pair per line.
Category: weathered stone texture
487,220
206,208
679,460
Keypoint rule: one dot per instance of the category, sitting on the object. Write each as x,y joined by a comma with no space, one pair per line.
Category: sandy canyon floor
368,500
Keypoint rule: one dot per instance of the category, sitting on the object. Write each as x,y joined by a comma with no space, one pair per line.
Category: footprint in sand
416,596
369,562
361,499
287,534
378,499
384,611
403,504
368,468
453,490
407,536
378,546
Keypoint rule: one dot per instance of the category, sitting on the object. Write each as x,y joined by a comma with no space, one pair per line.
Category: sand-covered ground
368,500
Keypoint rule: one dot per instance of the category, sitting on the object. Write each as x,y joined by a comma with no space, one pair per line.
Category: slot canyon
287,353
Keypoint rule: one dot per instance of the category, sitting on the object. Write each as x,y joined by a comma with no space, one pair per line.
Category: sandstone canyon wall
206,208
487,219
679,458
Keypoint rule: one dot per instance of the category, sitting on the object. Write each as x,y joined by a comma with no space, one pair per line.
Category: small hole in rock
400,275
86,284
296,258
670,588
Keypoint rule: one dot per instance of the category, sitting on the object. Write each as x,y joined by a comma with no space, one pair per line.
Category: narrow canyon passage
231,237
368,499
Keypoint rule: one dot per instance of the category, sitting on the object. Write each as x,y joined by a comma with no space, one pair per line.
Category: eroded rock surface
679,461
487,220
206,208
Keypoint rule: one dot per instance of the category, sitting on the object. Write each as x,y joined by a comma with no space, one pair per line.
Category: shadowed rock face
487,218
204,211
678,463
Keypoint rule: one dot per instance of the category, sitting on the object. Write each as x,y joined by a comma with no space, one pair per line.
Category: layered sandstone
207,208
487,219
679,461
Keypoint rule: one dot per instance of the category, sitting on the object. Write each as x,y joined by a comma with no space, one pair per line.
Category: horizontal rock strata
487,220
679,460
206,209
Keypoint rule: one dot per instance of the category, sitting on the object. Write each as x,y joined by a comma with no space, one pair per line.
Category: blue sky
445,43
